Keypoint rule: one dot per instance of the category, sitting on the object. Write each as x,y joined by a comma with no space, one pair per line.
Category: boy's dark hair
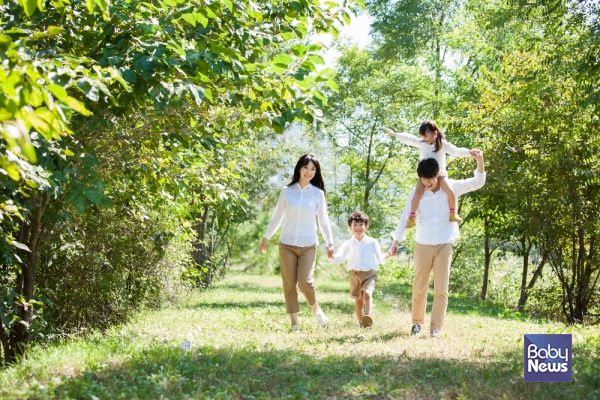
358,216
428,168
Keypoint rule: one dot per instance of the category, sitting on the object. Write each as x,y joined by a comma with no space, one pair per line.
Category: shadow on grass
401,293
457,304
168,372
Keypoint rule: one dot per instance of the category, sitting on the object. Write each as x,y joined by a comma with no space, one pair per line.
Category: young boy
364,257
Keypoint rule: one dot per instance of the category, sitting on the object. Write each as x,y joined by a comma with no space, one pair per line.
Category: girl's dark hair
429,125
317,180
358,216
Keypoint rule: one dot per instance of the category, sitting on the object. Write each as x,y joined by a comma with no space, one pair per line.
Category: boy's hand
390,132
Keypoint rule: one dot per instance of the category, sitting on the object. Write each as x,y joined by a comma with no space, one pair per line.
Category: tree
158,77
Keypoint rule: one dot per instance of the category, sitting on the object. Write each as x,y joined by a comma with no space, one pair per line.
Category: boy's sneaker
435,333
455,218
320,316
295,328
367,322
411,222
416,330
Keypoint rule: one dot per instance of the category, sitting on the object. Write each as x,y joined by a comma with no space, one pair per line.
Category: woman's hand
330,252
390,132
263,246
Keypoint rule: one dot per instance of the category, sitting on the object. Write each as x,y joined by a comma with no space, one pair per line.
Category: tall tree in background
413,31
372,95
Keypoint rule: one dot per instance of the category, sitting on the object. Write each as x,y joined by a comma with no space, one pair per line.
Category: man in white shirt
434,239
364,256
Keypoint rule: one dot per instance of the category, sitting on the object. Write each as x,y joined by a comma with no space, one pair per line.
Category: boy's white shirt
361,256
433,214
297,208
427,150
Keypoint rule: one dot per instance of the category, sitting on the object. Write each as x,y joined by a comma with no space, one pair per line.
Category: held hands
330,251
476,153
393,249
390,132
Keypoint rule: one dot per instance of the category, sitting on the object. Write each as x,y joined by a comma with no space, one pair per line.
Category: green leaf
346,17
283,60
97,197
202,20
58,91
316,59
361,4
228,4
90,5
29,6
190,19
77,106
208,94
55,30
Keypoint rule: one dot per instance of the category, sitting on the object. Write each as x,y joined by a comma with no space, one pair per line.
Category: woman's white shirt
297,207
427,150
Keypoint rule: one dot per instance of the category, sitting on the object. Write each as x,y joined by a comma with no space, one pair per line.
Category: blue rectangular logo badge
548,358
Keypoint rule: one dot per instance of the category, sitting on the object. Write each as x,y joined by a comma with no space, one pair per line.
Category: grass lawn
242,348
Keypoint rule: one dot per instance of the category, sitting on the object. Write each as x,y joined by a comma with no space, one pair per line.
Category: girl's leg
414,204
451,199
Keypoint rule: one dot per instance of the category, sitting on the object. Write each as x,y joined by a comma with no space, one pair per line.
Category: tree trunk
18,338
525,250
200,248
534,278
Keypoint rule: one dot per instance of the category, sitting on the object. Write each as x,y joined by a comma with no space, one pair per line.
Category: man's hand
330,252
263,246
390,132
393,249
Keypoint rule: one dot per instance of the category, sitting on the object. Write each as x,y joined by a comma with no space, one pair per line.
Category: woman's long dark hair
429,125
317,180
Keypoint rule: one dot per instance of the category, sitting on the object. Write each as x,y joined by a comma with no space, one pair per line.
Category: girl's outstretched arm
406,138
453,150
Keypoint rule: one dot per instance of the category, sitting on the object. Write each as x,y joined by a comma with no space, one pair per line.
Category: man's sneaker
416,330
367,321
320,316
435,333
295,328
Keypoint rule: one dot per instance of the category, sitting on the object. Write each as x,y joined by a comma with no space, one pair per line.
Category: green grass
242,348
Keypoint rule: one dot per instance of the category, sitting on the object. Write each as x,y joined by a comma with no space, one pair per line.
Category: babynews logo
548,358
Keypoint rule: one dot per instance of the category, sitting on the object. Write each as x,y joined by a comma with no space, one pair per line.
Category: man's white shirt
297,207
361,256
433,214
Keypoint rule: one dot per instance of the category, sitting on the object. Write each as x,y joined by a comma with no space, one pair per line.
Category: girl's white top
297,207
361,256
427,150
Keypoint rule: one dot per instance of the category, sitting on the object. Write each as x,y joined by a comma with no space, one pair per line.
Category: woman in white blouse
298,205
